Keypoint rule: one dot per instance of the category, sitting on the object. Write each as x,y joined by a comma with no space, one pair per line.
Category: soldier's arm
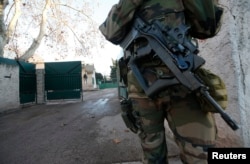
115,27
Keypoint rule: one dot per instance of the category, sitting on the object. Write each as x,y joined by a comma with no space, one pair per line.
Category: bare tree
59,23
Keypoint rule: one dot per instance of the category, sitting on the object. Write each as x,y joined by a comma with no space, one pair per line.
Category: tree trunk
36,42
13,21
3,4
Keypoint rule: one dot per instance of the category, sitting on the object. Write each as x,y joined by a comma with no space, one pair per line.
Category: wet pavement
72,132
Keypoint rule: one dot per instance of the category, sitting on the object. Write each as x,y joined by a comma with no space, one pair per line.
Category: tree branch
65,5
14,19
36,42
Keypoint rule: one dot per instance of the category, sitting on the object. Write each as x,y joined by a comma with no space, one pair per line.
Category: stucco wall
9,87
240,37
227,54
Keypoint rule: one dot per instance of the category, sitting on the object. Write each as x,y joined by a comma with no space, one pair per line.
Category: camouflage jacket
202,16
120,16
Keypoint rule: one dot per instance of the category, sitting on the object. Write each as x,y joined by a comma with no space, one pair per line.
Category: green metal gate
27,76
63,80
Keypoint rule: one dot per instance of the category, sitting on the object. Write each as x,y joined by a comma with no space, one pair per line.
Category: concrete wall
91,81
9,87
240,37
227,54
40,82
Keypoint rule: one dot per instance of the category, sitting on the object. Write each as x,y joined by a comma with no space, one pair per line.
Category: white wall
227,54
9,87
240,37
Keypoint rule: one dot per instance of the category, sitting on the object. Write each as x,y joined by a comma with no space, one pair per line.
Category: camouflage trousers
194,130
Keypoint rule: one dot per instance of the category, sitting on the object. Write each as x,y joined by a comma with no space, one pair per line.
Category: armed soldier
190,119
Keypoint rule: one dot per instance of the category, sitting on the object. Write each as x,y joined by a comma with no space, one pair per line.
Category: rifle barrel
224,115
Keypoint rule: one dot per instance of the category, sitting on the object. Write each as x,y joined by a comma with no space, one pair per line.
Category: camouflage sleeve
114,27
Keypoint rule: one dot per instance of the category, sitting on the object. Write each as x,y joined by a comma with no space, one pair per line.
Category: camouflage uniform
194,130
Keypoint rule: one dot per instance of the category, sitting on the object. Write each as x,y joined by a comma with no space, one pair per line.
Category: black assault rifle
177,52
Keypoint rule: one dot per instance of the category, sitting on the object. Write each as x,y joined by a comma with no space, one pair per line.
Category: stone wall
240,38
227,55
40,86
89,70
9,87
40,82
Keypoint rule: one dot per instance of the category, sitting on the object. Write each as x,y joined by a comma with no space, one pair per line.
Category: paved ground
72,132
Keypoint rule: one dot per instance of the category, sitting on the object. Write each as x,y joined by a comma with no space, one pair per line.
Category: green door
27,83
63,80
